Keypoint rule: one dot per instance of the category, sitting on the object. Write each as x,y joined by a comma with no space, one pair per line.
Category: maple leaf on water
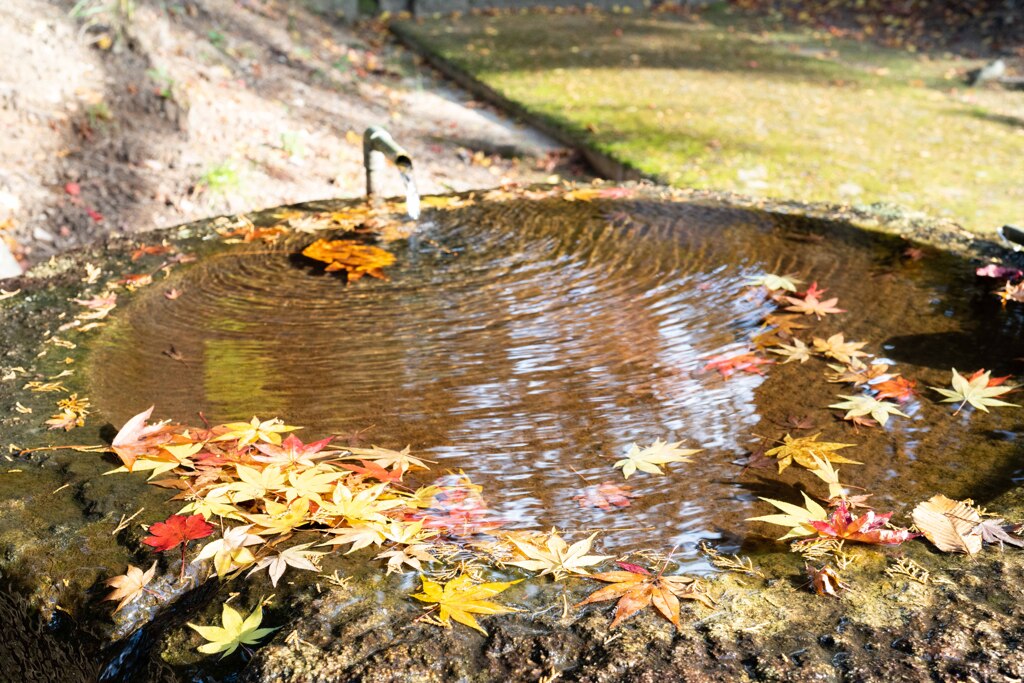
650,458
980,390
636,588
868,528
742,362
460,599
606,496
857,374
797,351
292,452
554,556
137,438
800,520
355,258
951,525
897,387
803,450
772,282
412,555
234,632
859,406
360,536
785,325
175,530
838,348
297,556
812,305
267,431
129,585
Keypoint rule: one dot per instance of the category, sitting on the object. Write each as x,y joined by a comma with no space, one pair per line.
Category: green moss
726,104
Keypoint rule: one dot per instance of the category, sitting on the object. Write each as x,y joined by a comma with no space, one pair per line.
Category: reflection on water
545,337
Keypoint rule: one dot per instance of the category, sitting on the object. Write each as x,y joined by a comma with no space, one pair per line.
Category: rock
9,266
990,72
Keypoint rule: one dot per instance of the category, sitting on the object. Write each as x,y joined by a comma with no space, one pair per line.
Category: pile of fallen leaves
275,499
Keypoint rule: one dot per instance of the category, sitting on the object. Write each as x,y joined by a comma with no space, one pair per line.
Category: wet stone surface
528,342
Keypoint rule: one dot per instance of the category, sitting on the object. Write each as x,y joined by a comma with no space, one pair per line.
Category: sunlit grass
726,105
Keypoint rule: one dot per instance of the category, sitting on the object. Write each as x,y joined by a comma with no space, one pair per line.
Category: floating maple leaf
897,387
368,468
857,374
797,351
1011,292
837,347
803,450
129,585
386,457
234,632
868,528
412,555
650,458
951,525
460,599
978,390
743,362
800,520
552,555
355,258
772,283
785,325
636,588
811,305
857,406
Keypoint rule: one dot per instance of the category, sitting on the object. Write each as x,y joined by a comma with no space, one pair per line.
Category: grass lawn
728,103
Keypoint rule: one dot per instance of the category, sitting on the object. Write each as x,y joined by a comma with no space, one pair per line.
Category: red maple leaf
897,387
291,451
868,528
177,529
606,496
743,362
814,291
375,471
992,381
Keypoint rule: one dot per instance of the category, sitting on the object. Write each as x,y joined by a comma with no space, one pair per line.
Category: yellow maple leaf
355,258
233,633
460,599
802,452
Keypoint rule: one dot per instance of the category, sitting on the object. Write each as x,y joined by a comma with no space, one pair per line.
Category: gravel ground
181,110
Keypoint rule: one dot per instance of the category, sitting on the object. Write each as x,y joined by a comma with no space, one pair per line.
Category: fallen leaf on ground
460,599
825,580
951,525
552,555
129,585
636,588
234,632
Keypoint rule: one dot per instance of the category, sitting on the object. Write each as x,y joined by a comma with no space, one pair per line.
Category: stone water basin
529,342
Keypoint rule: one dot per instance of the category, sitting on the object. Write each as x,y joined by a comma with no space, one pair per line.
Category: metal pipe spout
378,148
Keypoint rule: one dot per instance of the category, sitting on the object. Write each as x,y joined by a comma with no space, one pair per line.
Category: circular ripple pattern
529,343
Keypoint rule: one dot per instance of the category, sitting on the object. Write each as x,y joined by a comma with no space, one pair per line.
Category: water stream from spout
412,195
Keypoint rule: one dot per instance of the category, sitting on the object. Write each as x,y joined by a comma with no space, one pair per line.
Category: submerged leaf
129,585
803,451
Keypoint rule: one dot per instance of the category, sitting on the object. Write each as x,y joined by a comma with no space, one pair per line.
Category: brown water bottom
529,343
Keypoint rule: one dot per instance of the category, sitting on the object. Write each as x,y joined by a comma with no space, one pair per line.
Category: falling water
412,195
